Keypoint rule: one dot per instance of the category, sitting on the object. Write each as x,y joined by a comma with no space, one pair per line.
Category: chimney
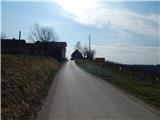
19,35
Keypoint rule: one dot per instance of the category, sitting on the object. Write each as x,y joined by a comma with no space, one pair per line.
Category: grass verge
126,82
25,81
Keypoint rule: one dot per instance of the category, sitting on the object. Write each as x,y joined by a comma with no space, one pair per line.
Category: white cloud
96,13
128,54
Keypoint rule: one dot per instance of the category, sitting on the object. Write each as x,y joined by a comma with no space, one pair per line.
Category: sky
121,31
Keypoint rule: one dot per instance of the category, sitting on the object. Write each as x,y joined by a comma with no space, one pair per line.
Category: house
53,49
100,61
13,46
76,55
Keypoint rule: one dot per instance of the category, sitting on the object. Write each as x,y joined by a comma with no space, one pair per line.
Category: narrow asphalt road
76,94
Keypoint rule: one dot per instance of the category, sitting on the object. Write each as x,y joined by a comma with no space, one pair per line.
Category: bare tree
78,47
43,33
88,54
85,51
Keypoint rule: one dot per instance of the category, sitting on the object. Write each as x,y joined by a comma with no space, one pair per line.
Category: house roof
61,44
17,42
76,52
12,42
55,44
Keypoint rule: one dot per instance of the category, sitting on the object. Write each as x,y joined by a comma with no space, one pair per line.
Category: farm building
52,49
76,55
13,46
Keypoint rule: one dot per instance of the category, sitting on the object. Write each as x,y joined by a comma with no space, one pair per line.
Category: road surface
76,94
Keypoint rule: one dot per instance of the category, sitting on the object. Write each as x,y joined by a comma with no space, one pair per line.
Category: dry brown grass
25,83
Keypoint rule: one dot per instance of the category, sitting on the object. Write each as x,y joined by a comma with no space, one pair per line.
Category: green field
128,83
25,81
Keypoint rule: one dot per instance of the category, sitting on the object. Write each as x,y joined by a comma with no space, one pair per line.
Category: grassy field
126,82
25,81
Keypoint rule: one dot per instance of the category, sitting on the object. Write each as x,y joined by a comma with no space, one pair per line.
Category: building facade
53,49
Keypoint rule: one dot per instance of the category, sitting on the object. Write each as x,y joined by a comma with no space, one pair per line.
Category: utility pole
19,35
89,37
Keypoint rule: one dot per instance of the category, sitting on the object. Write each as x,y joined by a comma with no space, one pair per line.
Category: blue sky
125,32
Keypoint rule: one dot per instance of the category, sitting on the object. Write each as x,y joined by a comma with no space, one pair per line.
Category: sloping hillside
25,81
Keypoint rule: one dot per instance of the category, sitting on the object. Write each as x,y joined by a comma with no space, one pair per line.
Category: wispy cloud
128,54
99,14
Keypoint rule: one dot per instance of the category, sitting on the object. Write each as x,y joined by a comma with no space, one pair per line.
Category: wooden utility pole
89,37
